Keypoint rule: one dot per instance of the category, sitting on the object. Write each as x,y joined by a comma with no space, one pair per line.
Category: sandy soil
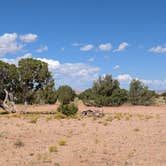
125,136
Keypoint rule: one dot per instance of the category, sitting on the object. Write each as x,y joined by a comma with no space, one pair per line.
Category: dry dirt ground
125,136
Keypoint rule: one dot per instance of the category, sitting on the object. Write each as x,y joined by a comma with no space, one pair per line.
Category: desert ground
125,136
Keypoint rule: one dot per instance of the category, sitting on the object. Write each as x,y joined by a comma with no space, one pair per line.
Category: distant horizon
81,40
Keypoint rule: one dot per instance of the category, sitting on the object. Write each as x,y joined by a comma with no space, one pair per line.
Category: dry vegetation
125,136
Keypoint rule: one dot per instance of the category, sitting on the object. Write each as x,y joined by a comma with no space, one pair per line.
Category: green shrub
68,109
119,97
65,94
53,149
139,94
104,92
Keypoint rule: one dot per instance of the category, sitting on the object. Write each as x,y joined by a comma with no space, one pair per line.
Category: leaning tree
8,86
21,83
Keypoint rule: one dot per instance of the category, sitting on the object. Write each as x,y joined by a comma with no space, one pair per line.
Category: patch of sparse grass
2,134
75,116
131,153
104,122
53,149
45,158
136,129
118,116
127,118
33,119
62,142
49,117
59,115
70,133
18,143
110,118
14,115
140,116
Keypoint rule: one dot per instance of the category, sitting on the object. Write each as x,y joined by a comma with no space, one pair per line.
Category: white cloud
52,64
158,49
105,47
116,67
124,77
77,75
87,47
154,82
8,44
121,47
42,49
28,38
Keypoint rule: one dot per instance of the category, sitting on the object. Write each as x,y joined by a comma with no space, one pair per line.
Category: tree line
31,82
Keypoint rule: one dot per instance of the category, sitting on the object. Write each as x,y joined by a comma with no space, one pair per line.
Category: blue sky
81,39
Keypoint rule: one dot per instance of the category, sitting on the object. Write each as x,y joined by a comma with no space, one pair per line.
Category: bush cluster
68,109
107,92
104,92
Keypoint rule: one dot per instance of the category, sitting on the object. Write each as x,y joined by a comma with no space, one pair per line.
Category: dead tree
8,103
95,113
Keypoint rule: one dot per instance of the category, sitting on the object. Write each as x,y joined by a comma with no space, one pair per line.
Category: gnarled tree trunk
8,104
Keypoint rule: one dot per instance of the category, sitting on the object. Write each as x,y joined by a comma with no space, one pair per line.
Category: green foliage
9,78
47,95
104,92
105,86
119,97
68,109
65,94
34,75
163,94
31,81
139,94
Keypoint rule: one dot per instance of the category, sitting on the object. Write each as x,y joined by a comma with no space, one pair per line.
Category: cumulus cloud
158,49
77,75
9,44
52,64
116,67
87,47
70,70
154,82
28,38
121,47
124,77
105,47
42,49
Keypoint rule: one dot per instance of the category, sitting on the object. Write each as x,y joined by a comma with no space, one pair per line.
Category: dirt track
126,136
